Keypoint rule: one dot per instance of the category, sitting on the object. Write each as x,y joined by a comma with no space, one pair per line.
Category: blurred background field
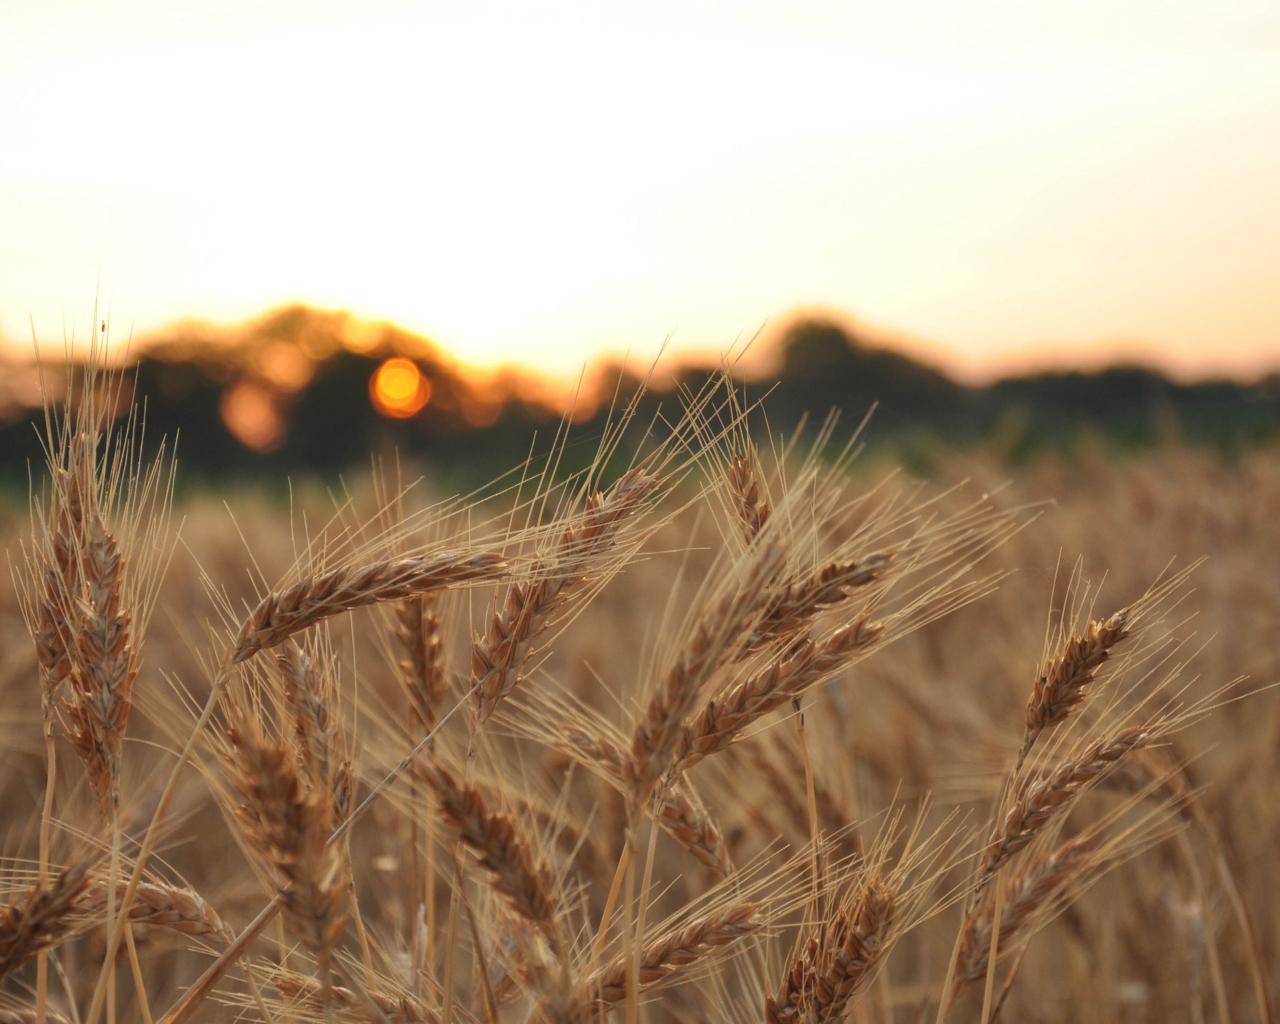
938,715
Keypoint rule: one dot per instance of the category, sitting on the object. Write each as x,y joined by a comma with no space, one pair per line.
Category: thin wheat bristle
1061,684
282,614
43,919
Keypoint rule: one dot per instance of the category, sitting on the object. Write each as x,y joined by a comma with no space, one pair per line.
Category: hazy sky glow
1010,183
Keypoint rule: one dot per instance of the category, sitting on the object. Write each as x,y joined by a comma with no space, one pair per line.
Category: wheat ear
669,954
679,811
422,670
281,614
806,665
43,919
752,510
799,604
530,607
31,1015
1061,684
1024,894
1034,805
718,631
288,823
824,977
522,879
160,906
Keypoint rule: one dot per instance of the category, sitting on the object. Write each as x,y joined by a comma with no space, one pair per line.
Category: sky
991,185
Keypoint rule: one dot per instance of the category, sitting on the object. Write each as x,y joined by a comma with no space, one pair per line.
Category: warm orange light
249,412
398,388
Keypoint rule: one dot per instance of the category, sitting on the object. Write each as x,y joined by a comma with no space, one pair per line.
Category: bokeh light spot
250,413
398,388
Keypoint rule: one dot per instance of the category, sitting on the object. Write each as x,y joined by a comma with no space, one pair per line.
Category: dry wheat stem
281,614
529,607
195,995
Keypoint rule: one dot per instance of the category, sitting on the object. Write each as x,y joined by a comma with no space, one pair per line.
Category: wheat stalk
288,823
515,872
1034,805
746,488
798,604
1024,894
422,671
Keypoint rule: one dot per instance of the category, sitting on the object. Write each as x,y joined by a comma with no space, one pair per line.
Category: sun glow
543,188
398,388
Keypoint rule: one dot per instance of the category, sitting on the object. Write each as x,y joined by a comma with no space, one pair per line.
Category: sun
398,388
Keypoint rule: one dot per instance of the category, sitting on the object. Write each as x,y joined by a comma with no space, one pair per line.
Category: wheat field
720,729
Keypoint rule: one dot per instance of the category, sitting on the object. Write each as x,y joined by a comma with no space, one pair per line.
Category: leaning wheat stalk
809,663
285,613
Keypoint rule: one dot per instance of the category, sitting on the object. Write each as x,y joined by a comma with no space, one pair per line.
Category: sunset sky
994,184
